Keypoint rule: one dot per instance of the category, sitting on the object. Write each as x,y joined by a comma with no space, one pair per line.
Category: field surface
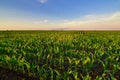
60,55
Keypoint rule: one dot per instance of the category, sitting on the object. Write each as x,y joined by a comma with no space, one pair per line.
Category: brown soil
6,74
117,74
97,70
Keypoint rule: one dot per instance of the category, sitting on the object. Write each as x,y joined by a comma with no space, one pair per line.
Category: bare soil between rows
6,74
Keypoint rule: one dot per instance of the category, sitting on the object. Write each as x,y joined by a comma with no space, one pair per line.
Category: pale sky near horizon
60,14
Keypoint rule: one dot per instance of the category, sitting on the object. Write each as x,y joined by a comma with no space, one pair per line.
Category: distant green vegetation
62,55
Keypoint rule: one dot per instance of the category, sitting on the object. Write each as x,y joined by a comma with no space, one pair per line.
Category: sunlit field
60,55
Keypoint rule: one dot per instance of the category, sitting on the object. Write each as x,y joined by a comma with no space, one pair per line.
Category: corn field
61,55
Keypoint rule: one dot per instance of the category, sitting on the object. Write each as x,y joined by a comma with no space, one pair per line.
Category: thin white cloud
42,1
94,22
41,22
88,22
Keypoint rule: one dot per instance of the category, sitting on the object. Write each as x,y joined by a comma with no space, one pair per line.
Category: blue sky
59,14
